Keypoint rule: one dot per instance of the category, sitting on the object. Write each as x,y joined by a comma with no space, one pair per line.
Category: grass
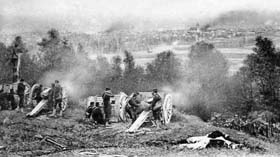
19,137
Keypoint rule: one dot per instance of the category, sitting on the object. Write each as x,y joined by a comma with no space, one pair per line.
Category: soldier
38,92
95,113
57,98
51,101
89,110
107,105
12,99
156,97
155,109
132,106
50,95
20,92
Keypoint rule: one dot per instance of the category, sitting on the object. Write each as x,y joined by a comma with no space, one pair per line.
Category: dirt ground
19,135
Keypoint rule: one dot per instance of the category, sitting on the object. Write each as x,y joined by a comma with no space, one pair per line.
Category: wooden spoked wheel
167,108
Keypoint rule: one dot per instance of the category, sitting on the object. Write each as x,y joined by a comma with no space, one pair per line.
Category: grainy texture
19,137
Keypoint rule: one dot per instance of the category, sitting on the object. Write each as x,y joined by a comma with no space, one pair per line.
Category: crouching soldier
95,113
156,108
89,110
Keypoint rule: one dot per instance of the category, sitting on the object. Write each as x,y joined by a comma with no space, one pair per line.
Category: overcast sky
95,12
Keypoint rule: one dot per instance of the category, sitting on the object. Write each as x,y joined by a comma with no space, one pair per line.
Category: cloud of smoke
68,80
75,78
183,96
201,90
190,98
119,25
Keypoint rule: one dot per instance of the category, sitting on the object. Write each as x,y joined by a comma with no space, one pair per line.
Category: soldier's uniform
57,98
155,109
38,92
131,108
107,105
50,97
95,113
20,92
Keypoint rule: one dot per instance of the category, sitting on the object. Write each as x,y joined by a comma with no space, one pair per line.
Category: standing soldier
57,98
50,99
155,109
107,105
20,92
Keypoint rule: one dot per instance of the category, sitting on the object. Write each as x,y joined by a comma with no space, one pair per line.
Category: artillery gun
165,105
120,101
45,100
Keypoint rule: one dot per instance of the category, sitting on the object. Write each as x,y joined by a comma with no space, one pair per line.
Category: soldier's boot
53,113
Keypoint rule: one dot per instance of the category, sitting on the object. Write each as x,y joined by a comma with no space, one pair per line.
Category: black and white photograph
139,78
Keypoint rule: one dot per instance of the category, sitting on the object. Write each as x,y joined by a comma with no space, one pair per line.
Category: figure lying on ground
214,139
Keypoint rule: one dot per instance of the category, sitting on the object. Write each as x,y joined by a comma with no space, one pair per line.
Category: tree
208,70
133,75
30,70
129,62
164,69
207,66
263,69
56,53
100,74
17,49
115,77
241,92
5,64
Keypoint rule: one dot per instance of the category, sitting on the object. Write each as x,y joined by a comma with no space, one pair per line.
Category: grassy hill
19,136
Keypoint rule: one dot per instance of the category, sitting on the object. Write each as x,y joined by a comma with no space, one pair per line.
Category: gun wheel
123,103
167,109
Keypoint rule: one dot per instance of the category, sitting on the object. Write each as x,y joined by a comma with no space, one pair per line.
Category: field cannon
45,100
120,101
165,106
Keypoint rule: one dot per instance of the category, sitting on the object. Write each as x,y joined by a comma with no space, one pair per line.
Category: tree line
202,80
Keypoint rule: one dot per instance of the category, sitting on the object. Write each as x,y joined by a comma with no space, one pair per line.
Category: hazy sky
86,13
